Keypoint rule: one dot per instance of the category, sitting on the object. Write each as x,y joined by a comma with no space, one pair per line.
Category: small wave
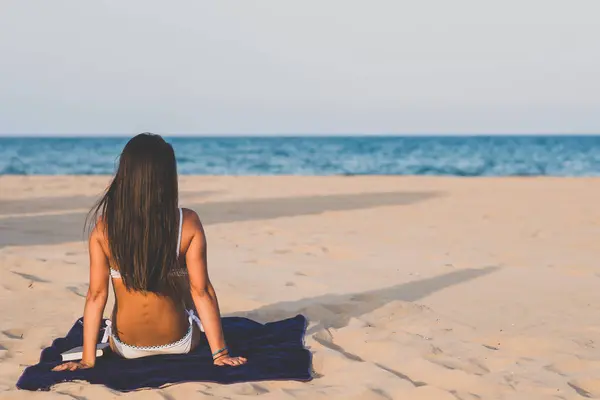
14,167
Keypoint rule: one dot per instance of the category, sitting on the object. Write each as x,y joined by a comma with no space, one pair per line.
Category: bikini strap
107,331
180,229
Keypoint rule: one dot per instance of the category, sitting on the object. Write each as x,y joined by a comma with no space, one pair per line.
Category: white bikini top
116,274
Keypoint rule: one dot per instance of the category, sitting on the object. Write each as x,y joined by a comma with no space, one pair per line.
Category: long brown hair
140,214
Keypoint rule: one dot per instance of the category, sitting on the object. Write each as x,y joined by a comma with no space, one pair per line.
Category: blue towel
275,351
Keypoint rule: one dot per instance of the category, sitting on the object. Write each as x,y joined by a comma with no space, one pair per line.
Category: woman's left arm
95,303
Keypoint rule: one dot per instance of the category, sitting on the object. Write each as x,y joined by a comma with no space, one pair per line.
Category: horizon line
287,135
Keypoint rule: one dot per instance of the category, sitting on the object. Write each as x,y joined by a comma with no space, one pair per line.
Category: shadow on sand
336,310
68,226
65,203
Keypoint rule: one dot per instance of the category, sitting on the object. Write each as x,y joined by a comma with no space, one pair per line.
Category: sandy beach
415,288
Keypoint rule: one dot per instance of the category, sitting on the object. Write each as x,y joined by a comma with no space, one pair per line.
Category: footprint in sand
380,392
324,339
79,291
3,352
572,366
250,389
436,350
489,347
402,376
282,251
589,388
13,334
29,277
470,366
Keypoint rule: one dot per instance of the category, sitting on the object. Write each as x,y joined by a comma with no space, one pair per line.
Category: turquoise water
456,156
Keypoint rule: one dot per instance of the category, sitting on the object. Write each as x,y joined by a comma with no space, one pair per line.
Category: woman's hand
72,366
231,361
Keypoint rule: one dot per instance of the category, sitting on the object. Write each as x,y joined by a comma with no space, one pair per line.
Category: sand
416,288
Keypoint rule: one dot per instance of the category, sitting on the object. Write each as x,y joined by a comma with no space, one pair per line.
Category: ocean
365,155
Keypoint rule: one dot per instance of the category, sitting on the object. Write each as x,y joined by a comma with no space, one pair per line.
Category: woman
155,254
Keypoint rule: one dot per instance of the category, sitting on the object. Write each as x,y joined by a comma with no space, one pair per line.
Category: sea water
366,155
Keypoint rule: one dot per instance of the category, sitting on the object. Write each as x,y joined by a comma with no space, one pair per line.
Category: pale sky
299,67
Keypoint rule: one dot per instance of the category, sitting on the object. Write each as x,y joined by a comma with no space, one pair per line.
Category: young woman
155,254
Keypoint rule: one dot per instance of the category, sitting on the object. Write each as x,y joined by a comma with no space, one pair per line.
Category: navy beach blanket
275,351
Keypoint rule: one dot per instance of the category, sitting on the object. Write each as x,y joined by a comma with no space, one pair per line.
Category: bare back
149,319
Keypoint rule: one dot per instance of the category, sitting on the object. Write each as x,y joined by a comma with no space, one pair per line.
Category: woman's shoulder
100,235
192,227
191,219
99,229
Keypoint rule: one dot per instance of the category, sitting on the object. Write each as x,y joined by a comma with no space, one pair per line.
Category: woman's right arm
95,302
204,296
